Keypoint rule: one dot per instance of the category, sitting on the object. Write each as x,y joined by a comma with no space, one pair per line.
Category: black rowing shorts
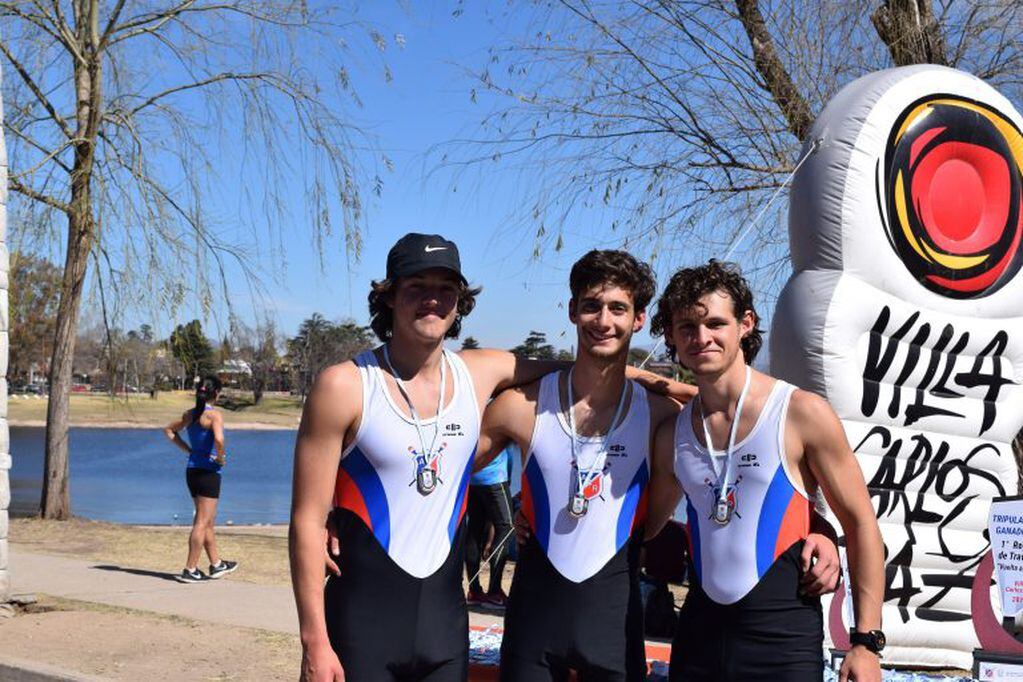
386,625
594,627
772,634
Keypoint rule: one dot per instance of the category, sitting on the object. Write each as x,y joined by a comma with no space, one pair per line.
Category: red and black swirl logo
952,186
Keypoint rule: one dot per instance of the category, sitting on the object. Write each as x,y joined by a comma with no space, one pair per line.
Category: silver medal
723,507
722,512
426,477
577,507
426,481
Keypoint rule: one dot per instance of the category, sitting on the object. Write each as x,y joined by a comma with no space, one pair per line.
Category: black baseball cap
417,252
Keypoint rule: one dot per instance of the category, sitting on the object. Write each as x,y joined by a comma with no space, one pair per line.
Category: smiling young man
389,439
749,453
585,438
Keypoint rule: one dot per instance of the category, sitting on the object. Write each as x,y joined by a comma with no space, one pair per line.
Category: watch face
880,638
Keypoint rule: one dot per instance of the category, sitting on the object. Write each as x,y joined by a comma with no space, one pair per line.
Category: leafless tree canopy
682,118
147,126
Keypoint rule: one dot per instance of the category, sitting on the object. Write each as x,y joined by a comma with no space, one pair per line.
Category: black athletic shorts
771,634
203,482
385,624
594,627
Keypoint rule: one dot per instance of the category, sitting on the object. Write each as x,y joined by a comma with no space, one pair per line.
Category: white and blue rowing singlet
770,512
376,479
579,547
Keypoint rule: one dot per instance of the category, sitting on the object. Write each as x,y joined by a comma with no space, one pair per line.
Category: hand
860,665
819,577
320,664
522,529
331,546
220,459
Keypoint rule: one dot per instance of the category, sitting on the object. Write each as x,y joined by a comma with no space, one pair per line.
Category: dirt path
122,644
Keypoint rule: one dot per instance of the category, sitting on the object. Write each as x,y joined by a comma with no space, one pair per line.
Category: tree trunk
776,77
56,498
910,31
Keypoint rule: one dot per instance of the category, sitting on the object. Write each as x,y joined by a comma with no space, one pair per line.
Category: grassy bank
90,409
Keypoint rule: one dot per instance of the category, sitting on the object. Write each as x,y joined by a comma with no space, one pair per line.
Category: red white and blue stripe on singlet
376,477
783,521
537,510
359,490
770,512
580,547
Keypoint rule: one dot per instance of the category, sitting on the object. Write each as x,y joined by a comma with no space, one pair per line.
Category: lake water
137,476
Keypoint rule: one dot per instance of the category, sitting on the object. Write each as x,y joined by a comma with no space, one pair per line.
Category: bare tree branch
779,84
910,31
36,91
15,186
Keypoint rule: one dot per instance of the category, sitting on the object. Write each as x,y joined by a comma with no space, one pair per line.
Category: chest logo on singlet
427,468
595,488
714,491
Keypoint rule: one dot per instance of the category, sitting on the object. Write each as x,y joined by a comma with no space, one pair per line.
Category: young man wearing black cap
392,435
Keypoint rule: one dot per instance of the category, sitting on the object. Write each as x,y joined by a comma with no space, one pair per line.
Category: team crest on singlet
594,488
731,497
426,462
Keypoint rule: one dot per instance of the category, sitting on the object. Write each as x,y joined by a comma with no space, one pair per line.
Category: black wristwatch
874,640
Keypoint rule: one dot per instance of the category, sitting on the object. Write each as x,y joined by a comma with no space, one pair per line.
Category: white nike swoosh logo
430,249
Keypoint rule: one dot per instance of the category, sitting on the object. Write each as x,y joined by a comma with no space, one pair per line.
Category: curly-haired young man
750,452
585,436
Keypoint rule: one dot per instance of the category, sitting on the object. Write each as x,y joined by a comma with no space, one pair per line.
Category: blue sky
425,104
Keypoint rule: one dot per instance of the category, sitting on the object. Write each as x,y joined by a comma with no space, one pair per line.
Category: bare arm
665,490
330,411
495,370
505,420
834,466
217,425
172,431
678,391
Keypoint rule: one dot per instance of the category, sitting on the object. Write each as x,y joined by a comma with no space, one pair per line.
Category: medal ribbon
408,398
724,478
583,477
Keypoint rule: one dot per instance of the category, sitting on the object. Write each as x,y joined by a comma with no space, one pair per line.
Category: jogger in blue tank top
205,428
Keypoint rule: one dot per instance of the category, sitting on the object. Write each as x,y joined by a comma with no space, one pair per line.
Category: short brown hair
614,267
382,316
687,286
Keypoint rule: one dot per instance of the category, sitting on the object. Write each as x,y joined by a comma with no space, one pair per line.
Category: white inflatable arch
905,310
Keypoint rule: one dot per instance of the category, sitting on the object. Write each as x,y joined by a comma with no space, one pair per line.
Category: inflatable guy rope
905,310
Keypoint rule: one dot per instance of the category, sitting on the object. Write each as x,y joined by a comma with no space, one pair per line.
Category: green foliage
321,343
34,295
470,343
192,349
535,346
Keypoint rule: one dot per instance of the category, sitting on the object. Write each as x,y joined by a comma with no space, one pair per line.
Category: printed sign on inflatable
905,310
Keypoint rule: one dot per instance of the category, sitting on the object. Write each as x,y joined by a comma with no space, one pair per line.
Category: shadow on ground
173,577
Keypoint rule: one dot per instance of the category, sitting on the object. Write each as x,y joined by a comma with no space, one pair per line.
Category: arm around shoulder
665,490
505,420
495,370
